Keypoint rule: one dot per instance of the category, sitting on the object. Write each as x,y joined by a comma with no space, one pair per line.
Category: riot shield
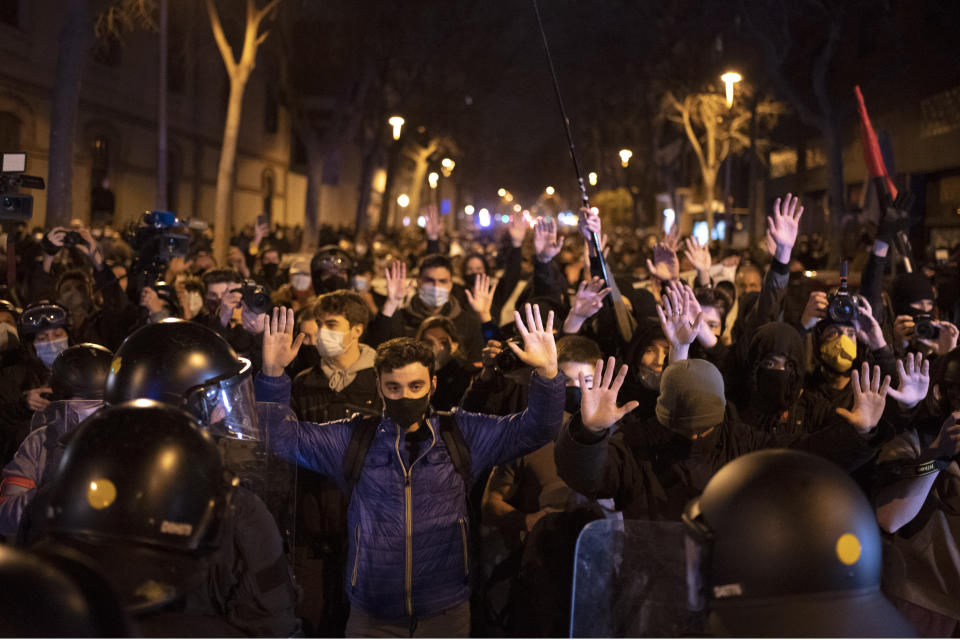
629,580
63,416
266,474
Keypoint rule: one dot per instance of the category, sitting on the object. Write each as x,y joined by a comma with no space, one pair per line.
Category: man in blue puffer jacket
409,568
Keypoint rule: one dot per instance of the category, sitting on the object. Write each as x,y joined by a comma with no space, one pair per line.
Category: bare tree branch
225,51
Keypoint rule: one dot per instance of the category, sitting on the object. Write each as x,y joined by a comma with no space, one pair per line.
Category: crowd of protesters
562,411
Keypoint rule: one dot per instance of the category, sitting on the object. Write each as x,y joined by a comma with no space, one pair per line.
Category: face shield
226,406
63,416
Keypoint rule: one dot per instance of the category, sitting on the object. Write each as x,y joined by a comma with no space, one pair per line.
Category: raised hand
432,226
783,225
868,329
481,298
279,346
517,230
672,240
914,373
665,266
815,309
539,349
598,403
397,287
588,223
869,398
699,257
677,328
587,301
545,240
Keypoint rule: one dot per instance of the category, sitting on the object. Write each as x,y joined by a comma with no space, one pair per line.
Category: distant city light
483,217
504,218
433,179
468,209
567,218
592,178
422,221
406,221
446,167
625,155
397,123
403,200
549,191
517,208
501,192
669,215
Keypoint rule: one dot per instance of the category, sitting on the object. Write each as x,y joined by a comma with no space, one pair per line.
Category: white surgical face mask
300,281
48,351
330,342
434,296
361,283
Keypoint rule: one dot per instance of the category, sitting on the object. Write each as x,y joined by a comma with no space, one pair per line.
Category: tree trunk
419,180
363,189
227,166
384,223
76,35
162,203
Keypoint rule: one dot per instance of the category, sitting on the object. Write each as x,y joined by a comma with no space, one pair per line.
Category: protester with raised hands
915,490
398,317
435,577
587,302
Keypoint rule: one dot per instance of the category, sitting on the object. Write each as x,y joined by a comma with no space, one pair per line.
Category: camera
14,205
924,327
507,361
160,237
73,238
256,297
842,305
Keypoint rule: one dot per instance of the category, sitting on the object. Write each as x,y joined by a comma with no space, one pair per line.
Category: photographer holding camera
915,327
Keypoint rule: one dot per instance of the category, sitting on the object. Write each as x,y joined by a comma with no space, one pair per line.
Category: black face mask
333,283
270,270
407,411
571,399
774,390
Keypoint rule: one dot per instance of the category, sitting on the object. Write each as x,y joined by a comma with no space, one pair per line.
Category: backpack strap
364,429
457,447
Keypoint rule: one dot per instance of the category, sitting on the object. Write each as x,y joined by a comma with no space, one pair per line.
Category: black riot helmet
190,366
80,372
784,543
55,596
331,269
141,490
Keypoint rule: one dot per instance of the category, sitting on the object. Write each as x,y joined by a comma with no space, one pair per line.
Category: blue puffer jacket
409,545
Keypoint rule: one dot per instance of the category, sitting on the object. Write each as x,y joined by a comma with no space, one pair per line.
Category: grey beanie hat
691,397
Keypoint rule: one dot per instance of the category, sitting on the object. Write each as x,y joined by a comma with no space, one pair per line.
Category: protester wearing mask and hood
432,298
268,271
653,466
647,357
840,347
331,269
916,489
912,298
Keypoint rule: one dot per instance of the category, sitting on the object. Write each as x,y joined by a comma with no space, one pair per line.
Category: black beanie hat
908,288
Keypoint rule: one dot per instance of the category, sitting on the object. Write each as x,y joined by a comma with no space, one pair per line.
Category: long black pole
598,266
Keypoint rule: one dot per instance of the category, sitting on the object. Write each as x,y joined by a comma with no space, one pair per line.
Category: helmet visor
227,408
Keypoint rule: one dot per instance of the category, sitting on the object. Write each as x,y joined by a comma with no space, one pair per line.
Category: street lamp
433,179
468,209
592,178
403,200
517,208
730,78
549,191
397,123
446,166
501,192
625,155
